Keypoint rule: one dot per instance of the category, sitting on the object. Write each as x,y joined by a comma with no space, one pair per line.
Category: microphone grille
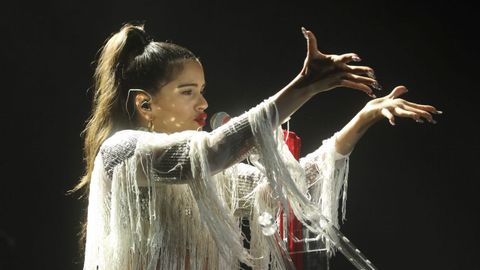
219,119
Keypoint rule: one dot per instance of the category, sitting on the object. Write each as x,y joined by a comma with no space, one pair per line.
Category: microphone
218,119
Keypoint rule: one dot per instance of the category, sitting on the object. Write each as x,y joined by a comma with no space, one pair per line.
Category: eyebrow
189,84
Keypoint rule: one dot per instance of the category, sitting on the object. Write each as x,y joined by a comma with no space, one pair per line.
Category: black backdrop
412,202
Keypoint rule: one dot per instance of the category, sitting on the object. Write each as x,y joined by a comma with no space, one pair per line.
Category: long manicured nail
419,121
356,58
439,112
371,74
304,31
377,86
372,95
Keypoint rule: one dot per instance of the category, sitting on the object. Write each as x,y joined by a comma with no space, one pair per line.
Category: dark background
412,190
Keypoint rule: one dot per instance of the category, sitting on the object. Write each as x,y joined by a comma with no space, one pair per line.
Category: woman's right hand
323,72
391,106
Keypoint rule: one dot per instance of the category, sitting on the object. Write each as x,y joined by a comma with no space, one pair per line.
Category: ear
143,106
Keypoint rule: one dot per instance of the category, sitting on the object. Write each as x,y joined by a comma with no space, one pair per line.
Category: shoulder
119,147
123,140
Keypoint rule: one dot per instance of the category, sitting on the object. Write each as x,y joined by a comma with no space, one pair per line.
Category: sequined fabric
117,149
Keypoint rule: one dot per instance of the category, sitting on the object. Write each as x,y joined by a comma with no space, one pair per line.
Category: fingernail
356,58
419,121
439,112
304,31
377,86
392,123
371,74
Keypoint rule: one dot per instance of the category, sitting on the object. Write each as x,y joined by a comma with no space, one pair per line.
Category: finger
358,86
385,112
408,114
363,70
349,57
312,48
361,79
420,112
397,91
428,108
360,70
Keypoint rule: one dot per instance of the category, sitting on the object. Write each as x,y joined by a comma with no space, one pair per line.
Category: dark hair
145,64
129,59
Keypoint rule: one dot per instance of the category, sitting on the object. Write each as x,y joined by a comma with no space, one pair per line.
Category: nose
202,104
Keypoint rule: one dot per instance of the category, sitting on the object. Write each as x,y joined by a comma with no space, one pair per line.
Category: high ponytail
107,79
129,59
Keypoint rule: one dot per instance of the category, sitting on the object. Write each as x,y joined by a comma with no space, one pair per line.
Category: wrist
369,116
300,83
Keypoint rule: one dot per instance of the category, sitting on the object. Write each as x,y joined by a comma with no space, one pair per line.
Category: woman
165,195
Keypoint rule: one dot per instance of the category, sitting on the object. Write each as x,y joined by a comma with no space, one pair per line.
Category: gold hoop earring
151,126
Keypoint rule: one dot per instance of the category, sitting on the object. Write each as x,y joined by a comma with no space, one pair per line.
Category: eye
187,92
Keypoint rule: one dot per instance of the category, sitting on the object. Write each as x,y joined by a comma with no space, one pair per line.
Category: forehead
191,72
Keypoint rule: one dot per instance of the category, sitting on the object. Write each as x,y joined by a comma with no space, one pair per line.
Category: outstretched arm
388,106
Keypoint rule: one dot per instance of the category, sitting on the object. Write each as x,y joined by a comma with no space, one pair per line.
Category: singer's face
179,105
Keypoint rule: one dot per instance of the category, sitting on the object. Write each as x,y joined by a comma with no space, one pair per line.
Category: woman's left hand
390,106
323,72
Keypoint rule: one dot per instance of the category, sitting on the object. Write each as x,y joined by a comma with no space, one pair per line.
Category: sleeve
170,154
326,173
310,162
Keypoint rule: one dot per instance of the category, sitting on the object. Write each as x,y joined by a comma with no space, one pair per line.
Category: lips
201,119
